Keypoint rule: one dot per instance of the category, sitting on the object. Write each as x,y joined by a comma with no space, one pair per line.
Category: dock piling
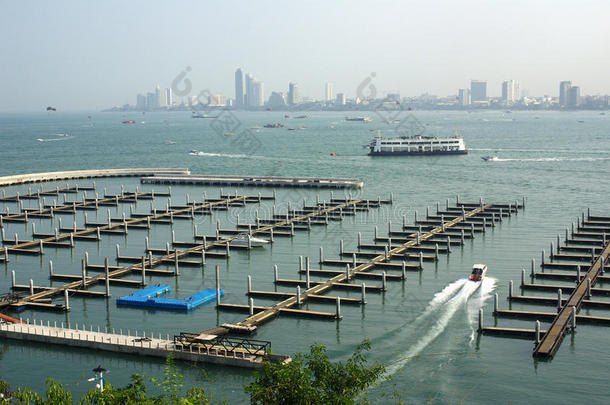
522,277
363,292
217,285
84,273
533,271
307,281
249,284
275,273
510,289
176,268
250,308
13,278
66,302
50,268
298,295
537,333
31,287
588,296
143,270
480,320
338,307
495,303
559,299
383,281
573,317
107,278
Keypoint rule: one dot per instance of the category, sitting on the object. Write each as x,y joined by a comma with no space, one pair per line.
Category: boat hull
423,153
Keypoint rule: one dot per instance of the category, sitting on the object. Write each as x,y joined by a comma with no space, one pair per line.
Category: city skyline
59,56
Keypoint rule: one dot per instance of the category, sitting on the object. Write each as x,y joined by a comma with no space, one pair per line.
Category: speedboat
490,158
242,240
478,272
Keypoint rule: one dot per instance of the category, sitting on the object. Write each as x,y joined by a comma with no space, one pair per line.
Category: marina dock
582,270
86,174
253,181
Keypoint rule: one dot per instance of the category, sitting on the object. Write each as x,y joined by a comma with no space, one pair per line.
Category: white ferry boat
418,145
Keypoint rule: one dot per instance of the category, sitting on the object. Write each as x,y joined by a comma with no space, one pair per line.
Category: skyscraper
328,92
239,88
141,102
564,88
258,94
277,99
294,95
510,92
340,98
249,89
169,97
573,97
159,97
478,90
464,97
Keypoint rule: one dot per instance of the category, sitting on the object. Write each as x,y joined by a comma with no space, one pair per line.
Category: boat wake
63,138
552,159
199,153
571,151
438,314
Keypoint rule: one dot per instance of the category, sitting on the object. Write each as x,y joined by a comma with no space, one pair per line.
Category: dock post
495,303
249,284
592,254
533,272
107,271
71,240
427,211
436,251
572,229
307,281
118,251
31,287
588,289
404,270
40,246
389,228
463,214
354,258
414,219
228,250
291,228
551,251
176,268
13,278
417,237
447,204
559,299
167,248
84,272
66,302
462,237
251,306
217,285
338,307
359,239
558,243
438,207
448,244
376,232
522,277
601,267
389,243
301,263
604,238
173,237
421,259
321,255
347,272
480,320
249,241
385,253
542,259
537,333
51,268
573,317
404,221
5,254
481,203
383,281
271,235
146,243
510,289
442,223
484,223
98,233
203,255
143,270
34,229
275,273
577,273
298,295
493,219
363,292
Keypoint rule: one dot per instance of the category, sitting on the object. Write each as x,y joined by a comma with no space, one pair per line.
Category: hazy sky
80,55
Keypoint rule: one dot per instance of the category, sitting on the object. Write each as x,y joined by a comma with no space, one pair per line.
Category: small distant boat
274,125
358,119
291,129
301,116
286,116
242,240
129,122
490,158
302,127
49,108
170,142
478,272
195,152
392,122
581,121
229,134
255,127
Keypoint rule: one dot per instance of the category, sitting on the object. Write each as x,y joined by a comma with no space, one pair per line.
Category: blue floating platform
150,297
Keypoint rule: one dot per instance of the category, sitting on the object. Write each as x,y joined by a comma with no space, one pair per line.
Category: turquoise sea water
422,329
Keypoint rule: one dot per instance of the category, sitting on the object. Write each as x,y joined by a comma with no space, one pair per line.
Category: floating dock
583,271
253,181
86,174
150,297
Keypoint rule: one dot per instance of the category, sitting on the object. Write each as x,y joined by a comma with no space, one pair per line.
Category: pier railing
228,344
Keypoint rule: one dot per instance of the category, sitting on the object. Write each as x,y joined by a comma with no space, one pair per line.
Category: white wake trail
443,307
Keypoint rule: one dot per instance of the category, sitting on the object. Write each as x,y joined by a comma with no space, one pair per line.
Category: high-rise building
294,95
249,89
159,97
564,88
151,101
239,88
141,102
478,90
217,100
574,96
277,99
169,97
258,94
340,99
510,92
328,92
464,97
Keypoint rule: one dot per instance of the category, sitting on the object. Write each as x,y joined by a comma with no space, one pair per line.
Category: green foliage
313,378
171,383
56,395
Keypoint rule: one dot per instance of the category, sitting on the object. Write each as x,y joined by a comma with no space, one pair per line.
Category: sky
86,55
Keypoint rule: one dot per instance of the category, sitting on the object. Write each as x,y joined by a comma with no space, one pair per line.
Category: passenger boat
478,272
418,145
242,240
